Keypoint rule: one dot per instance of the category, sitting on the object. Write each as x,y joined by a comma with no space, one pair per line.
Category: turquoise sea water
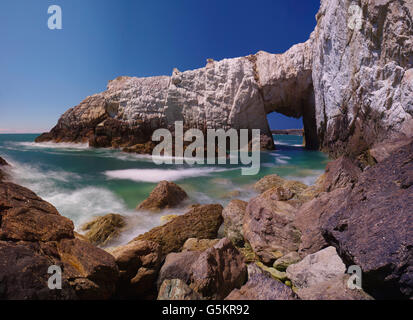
83,182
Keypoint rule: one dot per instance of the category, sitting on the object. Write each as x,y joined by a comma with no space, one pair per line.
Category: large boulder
34,237
212,274
138,263
371,225
316,268
202,222
233,215
2,164
268,227
166,195
261,286
103,230
218,271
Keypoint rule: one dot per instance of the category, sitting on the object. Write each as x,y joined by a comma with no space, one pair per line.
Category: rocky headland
353,86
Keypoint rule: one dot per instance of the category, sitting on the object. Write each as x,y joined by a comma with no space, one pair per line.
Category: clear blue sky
45,72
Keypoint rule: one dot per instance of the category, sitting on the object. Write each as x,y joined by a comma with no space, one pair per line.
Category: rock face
261,286
200,222
362,72
103,230
372,225
33,237
268,227
166,195
176,289
2,164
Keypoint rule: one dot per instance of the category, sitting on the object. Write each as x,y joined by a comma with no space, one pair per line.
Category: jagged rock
340,173
166,195
103,230
2,164
372,225
212,273
316,268
139,263
268,227
178,266
283,263
261,287
334,289
362,73
218,271
233,215
202,222
274,181
176,289
199,244
33,237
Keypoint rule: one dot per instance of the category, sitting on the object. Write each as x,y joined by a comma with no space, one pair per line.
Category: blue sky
45,72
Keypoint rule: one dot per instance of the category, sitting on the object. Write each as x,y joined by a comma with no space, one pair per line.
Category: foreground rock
176,289
316,268
213,274
33,237
193,244
166,195
268,227
233,215
139,263
103,230
372,225
333,289
261,286
202,222
3,163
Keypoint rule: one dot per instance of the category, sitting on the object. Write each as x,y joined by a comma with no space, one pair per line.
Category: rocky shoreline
292,241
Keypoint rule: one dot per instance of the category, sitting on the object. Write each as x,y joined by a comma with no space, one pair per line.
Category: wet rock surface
103,230
166,195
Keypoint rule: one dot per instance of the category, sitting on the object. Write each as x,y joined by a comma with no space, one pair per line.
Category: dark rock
166,195
218,271
33,237
139,263
202,222
371,226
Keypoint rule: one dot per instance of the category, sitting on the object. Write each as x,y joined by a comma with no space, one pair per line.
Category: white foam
53,145
156,175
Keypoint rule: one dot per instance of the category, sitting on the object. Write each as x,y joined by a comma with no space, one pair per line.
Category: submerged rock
103,230
202,222
166,195
34,237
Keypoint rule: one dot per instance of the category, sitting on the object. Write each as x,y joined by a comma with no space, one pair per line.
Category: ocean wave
156,175
53,145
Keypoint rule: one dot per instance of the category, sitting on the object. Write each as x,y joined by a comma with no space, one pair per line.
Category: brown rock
261,286
340,173
33,237
103,230
176,289
233,215
273,181
178,266
2,164
218,271
200,222
268,227
165,195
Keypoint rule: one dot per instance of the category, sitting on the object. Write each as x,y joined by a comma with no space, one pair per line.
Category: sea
83,183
